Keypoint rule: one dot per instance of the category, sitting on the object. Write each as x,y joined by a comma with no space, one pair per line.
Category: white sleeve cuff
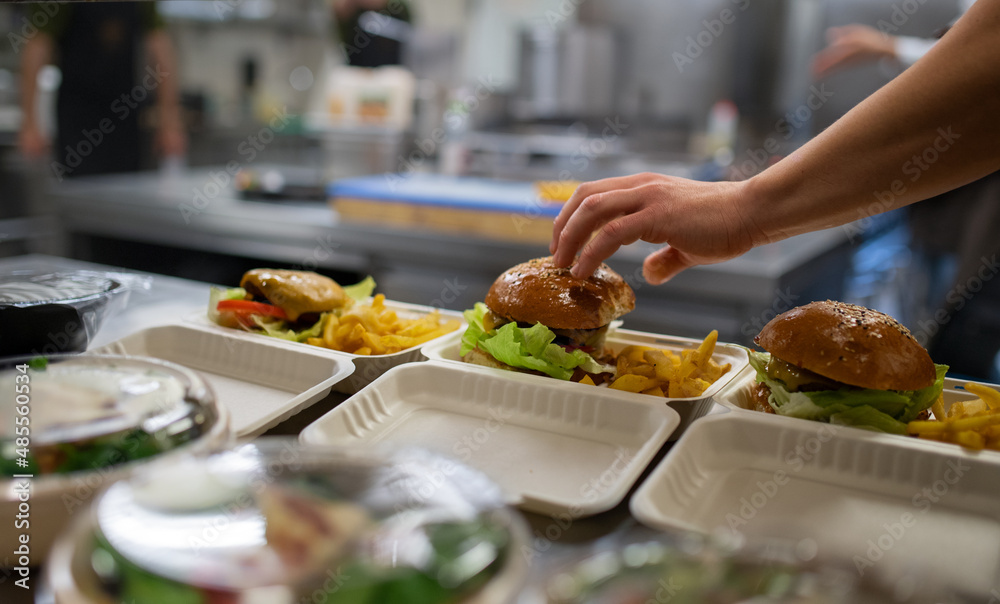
909,49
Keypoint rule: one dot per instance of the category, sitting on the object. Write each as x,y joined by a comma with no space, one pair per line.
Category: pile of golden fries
974,424
667,373
374,329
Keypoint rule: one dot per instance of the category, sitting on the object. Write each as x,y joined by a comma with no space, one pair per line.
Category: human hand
701,223
32,142
852,45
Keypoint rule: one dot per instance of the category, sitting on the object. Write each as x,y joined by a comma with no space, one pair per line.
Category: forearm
932,129
161,52
37,54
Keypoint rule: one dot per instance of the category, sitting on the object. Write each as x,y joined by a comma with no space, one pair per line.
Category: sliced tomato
249,307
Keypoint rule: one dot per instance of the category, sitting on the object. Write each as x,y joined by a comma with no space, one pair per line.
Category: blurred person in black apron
105,85
372,31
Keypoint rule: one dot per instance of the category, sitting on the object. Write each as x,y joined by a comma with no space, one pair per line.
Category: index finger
596,212
586,190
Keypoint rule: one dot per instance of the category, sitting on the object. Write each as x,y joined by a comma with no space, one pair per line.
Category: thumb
663,265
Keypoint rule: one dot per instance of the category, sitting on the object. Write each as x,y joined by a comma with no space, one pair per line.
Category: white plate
367,368
869,499
259,382
447,349
554,447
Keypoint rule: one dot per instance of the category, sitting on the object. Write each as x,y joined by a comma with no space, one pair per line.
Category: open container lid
274,521
554,447
882,502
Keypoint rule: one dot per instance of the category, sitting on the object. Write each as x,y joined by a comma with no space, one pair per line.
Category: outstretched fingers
618,232
584,191
594,213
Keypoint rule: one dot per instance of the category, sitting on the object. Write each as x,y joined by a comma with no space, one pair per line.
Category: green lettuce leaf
475,331
879,410
218,294
361,290
869,418
525,347
277,328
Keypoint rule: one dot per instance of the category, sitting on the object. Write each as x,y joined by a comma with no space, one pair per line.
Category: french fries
374,329
973,424
666,373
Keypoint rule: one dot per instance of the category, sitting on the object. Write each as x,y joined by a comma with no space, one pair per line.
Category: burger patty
759,394
592,339
797,379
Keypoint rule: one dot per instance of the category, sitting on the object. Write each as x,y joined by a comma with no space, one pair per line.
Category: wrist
754,209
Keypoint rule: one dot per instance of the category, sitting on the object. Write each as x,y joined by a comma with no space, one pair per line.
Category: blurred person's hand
700,222
33,144
852,45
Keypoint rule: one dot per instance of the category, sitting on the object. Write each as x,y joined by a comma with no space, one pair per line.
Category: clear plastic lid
25,288
50,312
692,569
82,413
275,521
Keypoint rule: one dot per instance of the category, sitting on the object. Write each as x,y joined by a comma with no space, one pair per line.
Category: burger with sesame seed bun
539,318
844,364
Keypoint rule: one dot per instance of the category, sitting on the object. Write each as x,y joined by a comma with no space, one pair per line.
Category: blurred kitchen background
513,91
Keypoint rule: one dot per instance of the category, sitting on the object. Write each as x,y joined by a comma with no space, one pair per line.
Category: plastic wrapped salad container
686,568
278,522
71,425
56,312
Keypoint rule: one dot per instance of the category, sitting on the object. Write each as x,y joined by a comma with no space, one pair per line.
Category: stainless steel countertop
190,210
147,205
